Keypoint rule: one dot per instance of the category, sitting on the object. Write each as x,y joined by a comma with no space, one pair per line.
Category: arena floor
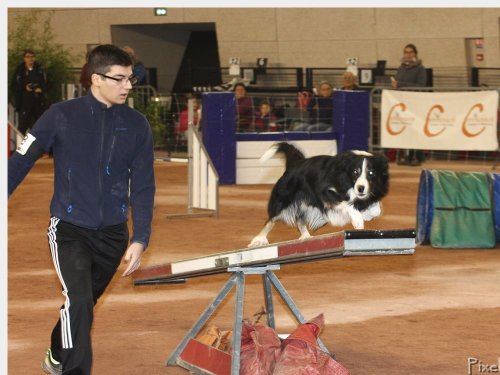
425,313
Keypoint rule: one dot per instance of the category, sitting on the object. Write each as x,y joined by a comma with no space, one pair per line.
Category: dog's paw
372,212
356,218
358,222
304,236
258,241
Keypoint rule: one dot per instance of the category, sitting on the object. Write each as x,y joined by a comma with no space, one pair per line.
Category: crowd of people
317,107
256,114
312,111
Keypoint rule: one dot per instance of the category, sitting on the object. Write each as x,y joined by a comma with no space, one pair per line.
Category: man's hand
133,257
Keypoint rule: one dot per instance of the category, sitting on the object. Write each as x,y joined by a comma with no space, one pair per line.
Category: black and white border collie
325,189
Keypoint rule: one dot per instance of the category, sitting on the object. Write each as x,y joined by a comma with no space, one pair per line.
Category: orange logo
388,122
466,132
427,130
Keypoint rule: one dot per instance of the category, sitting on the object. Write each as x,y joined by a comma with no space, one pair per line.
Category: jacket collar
97,106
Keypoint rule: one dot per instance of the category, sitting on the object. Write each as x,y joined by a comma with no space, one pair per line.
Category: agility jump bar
334,245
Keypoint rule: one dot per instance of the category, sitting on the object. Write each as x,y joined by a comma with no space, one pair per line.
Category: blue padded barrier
218,133
351,119
350,128
496,204
425,208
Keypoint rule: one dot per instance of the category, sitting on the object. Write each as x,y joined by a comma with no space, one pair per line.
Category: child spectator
265,120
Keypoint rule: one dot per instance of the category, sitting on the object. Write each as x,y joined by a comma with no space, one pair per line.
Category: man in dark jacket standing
103,163
29,85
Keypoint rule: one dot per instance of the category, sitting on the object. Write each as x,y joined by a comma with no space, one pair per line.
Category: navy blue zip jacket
103,162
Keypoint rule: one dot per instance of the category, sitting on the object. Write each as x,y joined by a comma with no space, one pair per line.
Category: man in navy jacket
103,164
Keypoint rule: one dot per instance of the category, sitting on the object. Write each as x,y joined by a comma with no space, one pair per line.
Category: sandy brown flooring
419,314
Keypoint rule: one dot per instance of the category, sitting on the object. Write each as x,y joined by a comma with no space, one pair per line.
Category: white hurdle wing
203,180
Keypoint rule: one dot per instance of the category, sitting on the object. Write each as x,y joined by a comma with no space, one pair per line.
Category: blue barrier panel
496,204
425,207
351,119
218,133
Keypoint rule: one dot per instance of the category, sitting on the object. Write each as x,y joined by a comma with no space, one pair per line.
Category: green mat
463,215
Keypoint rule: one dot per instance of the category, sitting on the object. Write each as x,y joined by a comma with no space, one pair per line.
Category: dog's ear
339,162
347,160
381,162
381,158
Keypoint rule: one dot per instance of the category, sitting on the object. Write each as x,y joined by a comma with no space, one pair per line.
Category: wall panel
317,37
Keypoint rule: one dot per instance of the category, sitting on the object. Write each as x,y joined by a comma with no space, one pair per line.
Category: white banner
465,121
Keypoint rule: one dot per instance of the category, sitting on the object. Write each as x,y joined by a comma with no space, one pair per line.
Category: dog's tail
292,154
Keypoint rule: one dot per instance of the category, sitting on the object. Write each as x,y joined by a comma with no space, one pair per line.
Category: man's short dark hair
29,51
102,57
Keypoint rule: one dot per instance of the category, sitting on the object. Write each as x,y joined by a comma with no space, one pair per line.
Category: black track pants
31,110
85,261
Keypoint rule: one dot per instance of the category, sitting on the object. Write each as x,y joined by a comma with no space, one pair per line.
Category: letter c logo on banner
466,132
388,122
427,131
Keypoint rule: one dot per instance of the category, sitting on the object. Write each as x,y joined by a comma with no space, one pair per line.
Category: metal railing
485,77
294,79
456,77
281,88
289,114
275,79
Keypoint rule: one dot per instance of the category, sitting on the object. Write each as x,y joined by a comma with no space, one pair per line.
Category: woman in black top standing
411,73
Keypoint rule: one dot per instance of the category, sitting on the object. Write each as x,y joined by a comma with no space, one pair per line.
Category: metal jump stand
238,278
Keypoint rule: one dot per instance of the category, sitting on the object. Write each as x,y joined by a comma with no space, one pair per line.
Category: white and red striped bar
335,245
218,263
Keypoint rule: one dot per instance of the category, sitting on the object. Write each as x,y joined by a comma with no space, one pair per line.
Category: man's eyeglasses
121,80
